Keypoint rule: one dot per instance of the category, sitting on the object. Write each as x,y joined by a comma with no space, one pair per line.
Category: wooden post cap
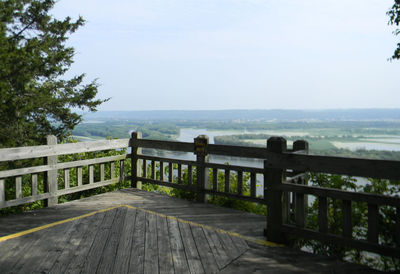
276,144
300,145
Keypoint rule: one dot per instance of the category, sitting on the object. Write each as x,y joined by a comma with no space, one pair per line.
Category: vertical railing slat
227,181
66,178
179,173
373,223
18,187
102,175
144,175
2,192
215,179
190,175
240,182
153,169
347,223
34,180
253,184
161,171
91,174
170,172
323,214
112,170
121,171
79,175
397,235
300,210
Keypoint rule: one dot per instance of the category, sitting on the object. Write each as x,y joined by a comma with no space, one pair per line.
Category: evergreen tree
36,98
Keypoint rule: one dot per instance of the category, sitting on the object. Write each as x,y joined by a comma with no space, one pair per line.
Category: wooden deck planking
178,252
208,259
50,251
137,252
135,240
110,250
192,255
78,257
165,263
220,255
121,263
49,265
151,247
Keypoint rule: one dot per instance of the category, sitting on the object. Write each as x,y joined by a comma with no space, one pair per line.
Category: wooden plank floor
121,240
133,231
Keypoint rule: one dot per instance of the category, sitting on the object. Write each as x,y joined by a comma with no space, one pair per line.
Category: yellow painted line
22,233
233,234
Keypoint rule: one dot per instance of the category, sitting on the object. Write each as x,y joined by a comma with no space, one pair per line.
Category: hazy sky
237,54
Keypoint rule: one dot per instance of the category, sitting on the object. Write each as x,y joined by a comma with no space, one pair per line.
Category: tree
36,98
394,19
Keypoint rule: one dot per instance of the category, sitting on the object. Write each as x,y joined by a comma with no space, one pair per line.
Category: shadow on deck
132,231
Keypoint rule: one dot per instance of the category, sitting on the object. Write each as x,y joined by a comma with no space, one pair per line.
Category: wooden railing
282,179
47,173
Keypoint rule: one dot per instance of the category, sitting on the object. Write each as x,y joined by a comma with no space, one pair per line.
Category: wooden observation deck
134,231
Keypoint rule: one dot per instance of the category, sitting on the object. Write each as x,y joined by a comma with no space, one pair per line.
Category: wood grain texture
20,153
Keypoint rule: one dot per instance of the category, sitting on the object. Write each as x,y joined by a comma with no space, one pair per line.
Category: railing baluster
161,171
2,193
240,182
66,178
397,235
227,181
215,179
347,223
144,175
373,223
153,170
190,175
170,171
112,170
300,210
253,184
79,175
18,187
121,171
34,179
91,174
102,176
179,174
323,214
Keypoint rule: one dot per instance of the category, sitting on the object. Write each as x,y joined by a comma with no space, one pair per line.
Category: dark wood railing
284,183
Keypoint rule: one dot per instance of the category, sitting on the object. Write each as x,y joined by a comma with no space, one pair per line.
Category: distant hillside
246,115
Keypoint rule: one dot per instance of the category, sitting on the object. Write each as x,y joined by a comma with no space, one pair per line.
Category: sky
236,54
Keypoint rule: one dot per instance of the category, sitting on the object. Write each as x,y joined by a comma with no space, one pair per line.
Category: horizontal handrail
72,164
381,169
30,152
341,194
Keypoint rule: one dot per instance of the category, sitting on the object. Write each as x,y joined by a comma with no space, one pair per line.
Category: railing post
200,149
51,177
273,177
301,200
135,164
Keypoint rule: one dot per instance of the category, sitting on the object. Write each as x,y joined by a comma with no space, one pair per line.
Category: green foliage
235,203
394,19
386,220
36,98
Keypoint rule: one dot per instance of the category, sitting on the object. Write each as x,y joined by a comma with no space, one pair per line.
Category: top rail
382,169
21,153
